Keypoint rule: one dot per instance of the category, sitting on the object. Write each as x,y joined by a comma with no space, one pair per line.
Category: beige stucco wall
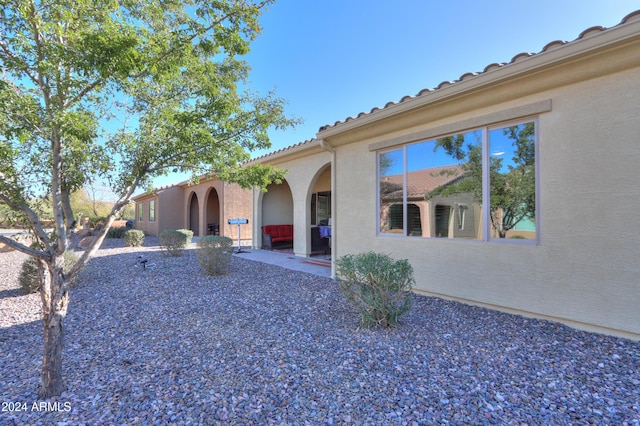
324,181
277,205
585,270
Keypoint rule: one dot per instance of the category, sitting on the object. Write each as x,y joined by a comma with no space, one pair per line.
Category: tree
512,185
90,200
122,91
97,196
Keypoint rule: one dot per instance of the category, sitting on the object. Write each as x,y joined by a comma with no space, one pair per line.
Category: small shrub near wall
28,278
377,285
214,254
172,243
188,235
133,238
117,232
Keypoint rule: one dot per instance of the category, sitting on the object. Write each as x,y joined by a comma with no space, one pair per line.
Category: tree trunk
66,209
55,302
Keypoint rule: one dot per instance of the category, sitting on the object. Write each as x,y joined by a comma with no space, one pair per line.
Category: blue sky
332,59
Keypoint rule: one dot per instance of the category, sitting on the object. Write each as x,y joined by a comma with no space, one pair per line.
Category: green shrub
28,278
188,235
173,242
133,238
377,285
116,232
214,254
96,222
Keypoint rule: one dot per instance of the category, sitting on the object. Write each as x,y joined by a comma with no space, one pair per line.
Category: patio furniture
277,235
318,243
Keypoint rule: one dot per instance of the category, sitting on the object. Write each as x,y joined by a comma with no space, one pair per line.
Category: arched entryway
212,213
319,218
194,215
277,205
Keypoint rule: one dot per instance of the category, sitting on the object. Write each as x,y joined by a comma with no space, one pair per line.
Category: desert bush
96,222
172,242
117,232
188,235
133,238
377,285
28,278
214,254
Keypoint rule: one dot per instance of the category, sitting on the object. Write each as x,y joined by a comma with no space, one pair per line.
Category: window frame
485,223
152,211
140,212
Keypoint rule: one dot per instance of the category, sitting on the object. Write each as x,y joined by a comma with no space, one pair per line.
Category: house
204,207
514,188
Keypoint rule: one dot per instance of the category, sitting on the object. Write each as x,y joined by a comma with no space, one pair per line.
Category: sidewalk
311,265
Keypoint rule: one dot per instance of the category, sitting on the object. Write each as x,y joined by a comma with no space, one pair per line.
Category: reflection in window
512,181
440,178
391,191
140,213
462,215
445,185
414,220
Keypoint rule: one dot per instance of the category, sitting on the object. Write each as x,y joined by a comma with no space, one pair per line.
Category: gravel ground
265,345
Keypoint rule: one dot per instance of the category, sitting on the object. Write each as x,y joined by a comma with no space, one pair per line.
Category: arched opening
277,204
277,209
212,212
319,219
194,215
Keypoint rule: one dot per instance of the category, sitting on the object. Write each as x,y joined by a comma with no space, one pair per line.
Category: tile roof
549,46
282,150
521,56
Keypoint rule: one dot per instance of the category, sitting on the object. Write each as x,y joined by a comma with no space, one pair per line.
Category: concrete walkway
312,265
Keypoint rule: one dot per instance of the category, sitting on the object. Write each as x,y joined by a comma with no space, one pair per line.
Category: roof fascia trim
285,152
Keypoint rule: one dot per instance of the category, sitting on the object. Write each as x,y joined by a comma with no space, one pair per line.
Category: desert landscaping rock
266,345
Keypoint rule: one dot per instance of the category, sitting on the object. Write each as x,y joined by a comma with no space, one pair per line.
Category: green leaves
162,77
377,285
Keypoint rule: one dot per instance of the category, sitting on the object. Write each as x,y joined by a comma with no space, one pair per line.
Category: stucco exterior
167,212
306,175
584,269
195,207
581,266
576,261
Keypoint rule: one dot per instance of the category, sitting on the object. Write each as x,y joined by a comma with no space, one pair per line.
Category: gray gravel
266,345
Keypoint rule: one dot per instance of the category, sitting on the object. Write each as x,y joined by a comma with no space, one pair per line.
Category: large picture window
478,185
